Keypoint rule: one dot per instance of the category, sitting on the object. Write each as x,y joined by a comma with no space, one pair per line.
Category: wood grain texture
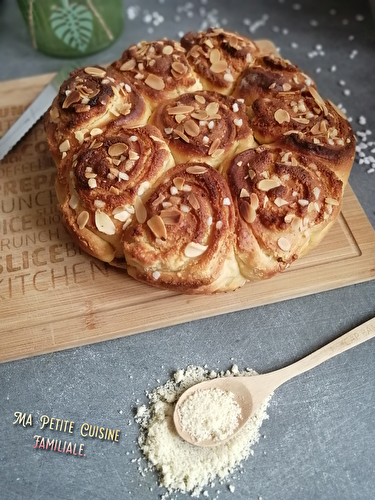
54,297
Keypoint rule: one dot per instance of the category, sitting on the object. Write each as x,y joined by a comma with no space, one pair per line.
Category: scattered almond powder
182,467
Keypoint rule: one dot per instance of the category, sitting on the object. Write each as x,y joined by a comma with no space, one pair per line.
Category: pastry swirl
89,99
218,57
186,242
100,186
285,201
305,120
198,165
269,76
159,70
204,126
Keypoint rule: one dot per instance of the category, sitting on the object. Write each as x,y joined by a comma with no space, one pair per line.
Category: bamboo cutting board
53,296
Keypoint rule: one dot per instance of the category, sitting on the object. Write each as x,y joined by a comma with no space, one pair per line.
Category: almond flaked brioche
159,70
186,242
88,100
198,165
204,126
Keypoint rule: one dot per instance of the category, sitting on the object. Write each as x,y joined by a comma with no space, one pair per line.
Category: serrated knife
35,111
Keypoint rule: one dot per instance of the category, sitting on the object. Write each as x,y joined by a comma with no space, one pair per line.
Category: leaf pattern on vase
72,24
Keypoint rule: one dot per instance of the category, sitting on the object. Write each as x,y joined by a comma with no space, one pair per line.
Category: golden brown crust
159,70
204,126
267,77
284,200
218,57
303,120
186,241
100,185
89,99
261,158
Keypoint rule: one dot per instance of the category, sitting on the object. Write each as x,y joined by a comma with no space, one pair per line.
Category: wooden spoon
250,392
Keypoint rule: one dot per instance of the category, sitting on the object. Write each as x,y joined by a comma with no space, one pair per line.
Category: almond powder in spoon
181,466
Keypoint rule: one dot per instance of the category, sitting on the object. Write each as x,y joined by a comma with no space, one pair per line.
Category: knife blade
35,111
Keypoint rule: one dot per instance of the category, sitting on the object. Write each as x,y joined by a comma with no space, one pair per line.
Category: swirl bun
198,165
186,242
204,126
101,184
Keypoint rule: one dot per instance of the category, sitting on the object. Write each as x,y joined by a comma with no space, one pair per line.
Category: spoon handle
354,337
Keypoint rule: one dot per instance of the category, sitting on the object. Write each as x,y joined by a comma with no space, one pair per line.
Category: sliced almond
54,113
155,82
179,67
200,99
64,146
331,201
196,169
244,193
181,134
279,202
296,224
267,184
209,43
191,128
157,226
217,153
254,201
178,182
193,200
193,249
128,65
200,115
219,67
73,202
180,110
288,218
96,131
92,71
215,56
117,149
284,244
281,116
140,210
302,120
233,41
104,223
179,118
214,146
315,130
286,87
247,211
167,50
319,100
212,108
114,190
82,219
170,216
121,214
79,135
72,98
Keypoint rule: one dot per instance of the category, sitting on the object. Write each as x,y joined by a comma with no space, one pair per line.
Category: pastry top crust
218,57
186,241
204,126
87,101
269,76
284,199
159,70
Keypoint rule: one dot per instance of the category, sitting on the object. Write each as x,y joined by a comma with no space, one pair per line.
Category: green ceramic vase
72,28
